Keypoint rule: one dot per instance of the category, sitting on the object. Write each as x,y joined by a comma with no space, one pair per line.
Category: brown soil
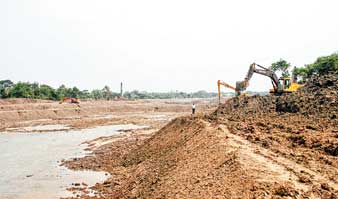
250,147
17,113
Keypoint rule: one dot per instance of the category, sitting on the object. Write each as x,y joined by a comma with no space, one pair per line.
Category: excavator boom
255,68
280,85
219,83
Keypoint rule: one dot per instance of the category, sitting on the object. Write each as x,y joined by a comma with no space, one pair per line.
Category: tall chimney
121,90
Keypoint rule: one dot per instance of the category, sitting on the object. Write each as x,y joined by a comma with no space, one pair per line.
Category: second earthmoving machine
221,83
280,85
69,99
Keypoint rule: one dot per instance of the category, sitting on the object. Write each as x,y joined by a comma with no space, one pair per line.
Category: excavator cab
285,82
285,85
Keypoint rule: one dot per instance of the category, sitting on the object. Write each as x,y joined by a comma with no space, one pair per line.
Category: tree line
9,89
323,65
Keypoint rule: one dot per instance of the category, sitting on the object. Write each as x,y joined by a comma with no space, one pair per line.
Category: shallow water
42,128
29,162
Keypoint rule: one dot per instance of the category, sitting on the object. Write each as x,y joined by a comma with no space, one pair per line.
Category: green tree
5,85
300,74
281,66
21,90
62,92
200,94
85,94
74,92
47,92
96,94
36,90
323,65
108,94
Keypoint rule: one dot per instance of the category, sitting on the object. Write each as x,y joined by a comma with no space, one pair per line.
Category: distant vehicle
70,100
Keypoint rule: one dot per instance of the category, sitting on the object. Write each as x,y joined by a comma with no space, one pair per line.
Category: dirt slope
192,158
251,147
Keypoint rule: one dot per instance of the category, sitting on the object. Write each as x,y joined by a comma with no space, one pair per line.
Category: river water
29,162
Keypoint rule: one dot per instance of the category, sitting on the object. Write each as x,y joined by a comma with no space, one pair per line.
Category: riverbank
19,113
250,147
40,139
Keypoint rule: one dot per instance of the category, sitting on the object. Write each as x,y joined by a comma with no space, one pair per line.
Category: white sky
158,45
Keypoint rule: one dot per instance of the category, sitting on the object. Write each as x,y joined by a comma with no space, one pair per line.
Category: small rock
304,179
325,186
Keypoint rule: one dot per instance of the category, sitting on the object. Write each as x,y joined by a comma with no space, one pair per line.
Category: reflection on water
42,128
30,162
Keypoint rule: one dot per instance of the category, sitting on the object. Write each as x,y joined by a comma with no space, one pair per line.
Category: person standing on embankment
193,108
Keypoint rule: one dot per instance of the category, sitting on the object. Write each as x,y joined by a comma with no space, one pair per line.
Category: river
29,162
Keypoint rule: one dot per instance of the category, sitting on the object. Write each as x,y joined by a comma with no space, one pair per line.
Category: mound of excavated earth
318,97
250,147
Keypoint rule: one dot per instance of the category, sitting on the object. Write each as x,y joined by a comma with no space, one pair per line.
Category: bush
323,65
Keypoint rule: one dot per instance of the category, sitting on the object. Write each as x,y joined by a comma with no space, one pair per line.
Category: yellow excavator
280,85
237,91
221,83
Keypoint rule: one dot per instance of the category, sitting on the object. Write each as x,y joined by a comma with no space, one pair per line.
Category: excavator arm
255,68
219,83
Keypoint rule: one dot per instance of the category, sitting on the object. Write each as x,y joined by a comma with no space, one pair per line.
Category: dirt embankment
251,147
192,158
29,112
306,119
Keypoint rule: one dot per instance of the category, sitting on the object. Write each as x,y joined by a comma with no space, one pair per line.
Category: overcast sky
157,45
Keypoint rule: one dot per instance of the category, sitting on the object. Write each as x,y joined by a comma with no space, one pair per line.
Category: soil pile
189,158
250,147
22,100
309,116
301,126
319,97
